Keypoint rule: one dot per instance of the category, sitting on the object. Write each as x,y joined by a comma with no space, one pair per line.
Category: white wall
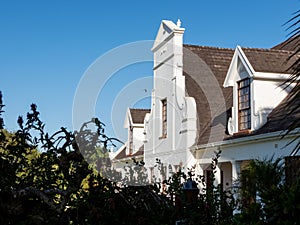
267,94
237,152
259,146
169,83
138,138
265,90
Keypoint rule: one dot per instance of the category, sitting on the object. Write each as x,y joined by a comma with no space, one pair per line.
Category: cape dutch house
133,149
207,99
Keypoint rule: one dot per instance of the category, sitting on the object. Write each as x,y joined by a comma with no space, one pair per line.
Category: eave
247,140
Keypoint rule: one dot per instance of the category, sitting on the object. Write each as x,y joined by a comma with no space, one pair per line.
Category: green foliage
211,205
45,179
294,96
266,197
214,205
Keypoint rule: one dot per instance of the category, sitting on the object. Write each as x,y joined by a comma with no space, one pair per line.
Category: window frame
164,118
244,104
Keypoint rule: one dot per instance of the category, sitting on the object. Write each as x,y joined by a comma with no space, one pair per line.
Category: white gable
264,90
165,32
128,119
238,64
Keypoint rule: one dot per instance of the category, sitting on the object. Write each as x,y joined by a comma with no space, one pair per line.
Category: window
244,104
164,118
130,141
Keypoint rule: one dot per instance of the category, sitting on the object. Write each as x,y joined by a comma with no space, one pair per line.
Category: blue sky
47,46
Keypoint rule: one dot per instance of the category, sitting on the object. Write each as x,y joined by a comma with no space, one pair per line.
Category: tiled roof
215,61
139,152
138,115
269,60
291,44
121,155
212,61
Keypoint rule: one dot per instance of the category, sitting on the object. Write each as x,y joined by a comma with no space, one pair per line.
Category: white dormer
255,93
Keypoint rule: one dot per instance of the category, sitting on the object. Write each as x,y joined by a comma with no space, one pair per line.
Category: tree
41,173
45,179
266,196
294,79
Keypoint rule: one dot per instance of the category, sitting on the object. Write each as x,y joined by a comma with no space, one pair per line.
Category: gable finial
178,23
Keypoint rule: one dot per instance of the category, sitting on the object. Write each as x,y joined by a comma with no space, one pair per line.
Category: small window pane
244,104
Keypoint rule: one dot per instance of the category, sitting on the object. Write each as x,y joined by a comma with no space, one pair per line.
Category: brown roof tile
139,152
269,60
138,115
121,155
211,61
291,44
216,61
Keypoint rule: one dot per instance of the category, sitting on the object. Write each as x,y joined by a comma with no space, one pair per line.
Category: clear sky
46,47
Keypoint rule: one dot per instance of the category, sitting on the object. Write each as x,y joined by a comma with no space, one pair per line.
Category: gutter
247,139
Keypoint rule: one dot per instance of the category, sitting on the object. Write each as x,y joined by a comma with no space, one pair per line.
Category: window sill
242,133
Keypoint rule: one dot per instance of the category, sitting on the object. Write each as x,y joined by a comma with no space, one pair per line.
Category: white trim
271,76
246,62
174,30
127,120
232,71
227,81
247,139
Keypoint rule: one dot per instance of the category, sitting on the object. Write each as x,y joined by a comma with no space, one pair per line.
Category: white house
207,99
133,149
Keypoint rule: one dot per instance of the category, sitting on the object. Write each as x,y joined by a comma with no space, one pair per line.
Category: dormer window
244,105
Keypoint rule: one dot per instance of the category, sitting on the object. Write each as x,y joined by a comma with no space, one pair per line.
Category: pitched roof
138,115
291,44
212,61
140,152
269,60
211,111
121,154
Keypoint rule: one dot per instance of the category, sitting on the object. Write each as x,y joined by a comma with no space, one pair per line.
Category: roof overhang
247,140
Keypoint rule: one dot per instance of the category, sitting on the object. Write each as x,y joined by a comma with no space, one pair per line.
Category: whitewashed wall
238,151
169,83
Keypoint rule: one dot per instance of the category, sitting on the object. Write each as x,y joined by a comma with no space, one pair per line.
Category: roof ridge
267,49
139,109
246,48
203,46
